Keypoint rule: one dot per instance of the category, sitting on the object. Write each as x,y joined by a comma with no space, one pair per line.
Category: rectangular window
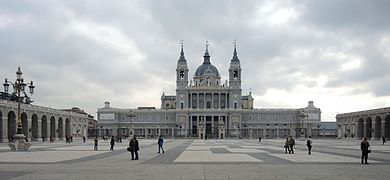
208,104
235,105
181,105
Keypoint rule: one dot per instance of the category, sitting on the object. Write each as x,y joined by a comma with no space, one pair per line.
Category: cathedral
206,107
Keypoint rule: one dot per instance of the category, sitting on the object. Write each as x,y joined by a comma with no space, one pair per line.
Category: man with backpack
308,144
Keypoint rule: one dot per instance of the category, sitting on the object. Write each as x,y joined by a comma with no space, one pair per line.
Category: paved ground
196,159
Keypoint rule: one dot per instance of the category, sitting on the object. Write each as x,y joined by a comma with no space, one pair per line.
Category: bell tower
235,80
181,71
235,71
181,81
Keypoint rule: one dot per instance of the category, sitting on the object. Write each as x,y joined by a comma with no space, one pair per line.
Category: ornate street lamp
131,115
19,87
302,115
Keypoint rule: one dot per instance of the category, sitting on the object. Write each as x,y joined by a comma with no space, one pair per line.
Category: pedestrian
160,143
134,147
71,138
96,144
291,142
84,139
308,144
112,143
286,146
259,138
365,147
43,138
383,140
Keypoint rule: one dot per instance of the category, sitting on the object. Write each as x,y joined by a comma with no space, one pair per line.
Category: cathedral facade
207,107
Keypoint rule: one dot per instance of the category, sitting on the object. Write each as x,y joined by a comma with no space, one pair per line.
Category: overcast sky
336,53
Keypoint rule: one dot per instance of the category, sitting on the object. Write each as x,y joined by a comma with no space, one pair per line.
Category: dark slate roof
206,69
170,97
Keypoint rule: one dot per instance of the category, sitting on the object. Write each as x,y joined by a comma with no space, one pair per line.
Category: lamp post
19,87
302,115
131,115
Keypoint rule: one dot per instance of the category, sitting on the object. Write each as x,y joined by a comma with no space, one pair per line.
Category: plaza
196,159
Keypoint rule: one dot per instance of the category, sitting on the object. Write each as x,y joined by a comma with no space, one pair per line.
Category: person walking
291,142
286,146
134,147
383,140
112,143
95,148
308,144
84,139
259,139
365,147
160,143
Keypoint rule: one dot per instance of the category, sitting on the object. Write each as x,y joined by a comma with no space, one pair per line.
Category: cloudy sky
336,53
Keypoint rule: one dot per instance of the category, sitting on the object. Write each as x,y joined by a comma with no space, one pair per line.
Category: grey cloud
43,45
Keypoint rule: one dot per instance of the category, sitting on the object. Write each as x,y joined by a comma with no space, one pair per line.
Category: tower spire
207,48
235,57
182,58
206,57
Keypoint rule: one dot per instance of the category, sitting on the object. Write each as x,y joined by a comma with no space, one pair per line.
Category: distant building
208,107
373,123
92,123
328,129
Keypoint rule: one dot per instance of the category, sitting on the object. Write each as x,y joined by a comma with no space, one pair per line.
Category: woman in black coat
365,147
134,147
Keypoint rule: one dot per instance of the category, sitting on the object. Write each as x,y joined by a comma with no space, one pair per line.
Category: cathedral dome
206,69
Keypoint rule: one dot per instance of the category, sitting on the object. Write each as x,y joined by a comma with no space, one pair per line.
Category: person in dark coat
291,142
287,146
84,139
112,143
96,144
134,147
383,140
160,143
308,144
365,147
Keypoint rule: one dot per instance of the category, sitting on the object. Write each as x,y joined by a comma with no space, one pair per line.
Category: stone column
39,129
219,100
5,129
277,132
204,102
48,127
197,100
212,101
373,131
364,132
226,105
383,127
191,100
250,133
